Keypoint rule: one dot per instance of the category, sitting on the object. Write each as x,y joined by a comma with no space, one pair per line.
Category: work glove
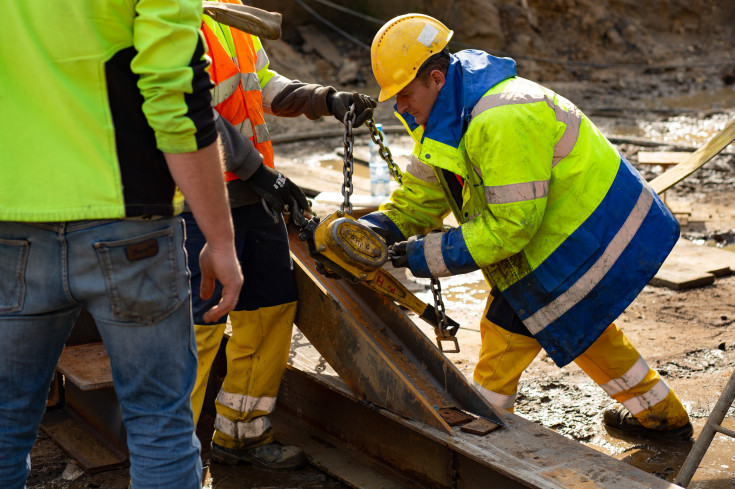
277,190
340,103
398,252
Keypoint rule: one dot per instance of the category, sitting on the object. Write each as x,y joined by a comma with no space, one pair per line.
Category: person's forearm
199,175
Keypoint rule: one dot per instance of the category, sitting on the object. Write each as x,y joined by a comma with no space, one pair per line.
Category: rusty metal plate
479,426
454,417
87,366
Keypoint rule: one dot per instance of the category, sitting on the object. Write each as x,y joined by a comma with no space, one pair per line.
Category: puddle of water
715,244
717,470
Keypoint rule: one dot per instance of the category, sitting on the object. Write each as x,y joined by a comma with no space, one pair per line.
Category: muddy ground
688,335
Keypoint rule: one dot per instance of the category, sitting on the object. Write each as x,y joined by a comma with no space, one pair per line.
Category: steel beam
379,352
345,436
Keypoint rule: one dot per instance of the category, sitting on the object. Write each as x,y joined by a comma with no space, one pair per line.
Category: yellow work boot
621,420
271,455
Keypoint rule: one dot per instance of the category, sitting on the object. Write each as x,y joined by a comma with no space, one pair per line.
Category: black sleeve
241,157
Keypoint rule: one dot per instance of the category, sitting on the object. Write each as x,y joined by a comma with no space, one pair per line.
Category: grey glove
398,254
339,104
273,187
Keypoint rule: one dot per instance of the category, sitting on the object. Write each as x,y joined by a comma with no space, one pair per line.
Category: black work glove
340,103
398,254
276,189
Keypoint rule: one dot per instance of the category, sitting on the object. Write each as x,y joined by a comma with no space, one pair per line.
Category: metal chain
395,171
349,142
383,150
436,291
436,288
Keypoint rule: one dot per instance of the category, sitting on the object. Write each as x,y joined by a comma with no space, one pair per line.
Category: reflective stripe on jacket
237,96
559,222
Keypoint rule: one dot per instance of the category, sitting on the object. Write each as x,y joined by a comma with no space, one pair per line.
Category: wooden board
695,161
690,265
87,366
707,258
327,176
681,278
662,157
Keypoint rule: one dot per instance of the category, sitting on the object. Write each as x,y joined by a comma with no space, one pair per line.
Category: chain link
347,169
383,150
436,291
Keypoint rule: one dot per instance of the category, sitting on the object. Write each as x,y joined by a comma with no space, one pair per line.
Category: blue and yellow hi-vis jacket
555,217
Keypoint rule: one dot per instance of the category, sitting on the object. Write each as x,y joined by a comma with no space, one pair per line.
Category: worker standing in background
262,321
106,110
565,230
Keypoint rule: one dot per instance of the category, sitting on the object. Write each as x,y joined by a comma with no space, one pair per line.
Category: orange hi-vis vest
237,94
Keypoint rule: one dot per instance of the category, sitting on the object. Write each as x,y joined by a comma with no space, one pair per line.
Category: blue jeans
132,277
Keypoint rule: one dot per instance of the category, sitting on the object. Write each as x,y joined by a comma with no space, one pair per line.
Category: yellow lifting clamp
351,250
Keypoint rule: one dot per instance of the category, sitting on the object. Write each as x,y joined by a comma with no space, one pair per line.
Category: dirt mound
614,53
567,33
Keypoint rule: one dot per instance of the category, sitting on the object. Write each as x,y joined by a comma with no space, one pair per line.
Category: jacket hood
470,75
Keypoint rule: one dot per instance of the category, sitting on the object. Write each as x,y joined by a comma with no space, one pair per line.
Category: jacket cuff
241,157
439,255
320,101
381,224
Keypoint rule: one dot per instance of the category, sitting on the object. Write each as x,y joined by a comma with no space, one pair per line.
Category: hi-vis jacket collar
470,75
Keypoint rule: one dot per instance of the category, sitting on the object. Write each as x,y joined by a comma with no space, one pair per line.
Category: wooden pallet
690,265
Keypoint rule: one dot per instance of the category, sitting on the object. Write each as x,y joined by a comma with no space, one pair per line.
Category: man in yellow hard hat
564,229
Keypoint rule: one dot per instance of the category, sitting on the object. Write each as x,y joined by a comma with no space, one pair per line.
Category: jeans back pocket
13,259
142,276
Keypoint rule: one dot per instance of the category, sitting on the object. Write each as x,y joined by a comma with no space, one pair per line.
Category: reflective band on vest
571,117
237,96
552,311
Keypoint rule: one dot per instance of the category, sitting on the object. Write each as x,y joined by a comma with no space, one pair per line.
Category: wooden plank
681,278
326,177
690,265
87,366
695,161
708,258
662,157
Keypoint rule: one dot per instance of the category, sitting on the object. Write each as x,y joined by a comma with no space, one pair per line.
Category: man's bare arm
199,175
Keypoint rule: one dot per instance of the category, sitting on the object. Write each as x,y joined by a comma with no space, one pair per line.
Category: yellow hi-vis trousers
257,353
611,361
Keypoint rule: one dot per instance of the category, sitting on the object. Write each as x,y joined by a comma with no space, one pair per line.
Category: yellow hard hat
400,48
